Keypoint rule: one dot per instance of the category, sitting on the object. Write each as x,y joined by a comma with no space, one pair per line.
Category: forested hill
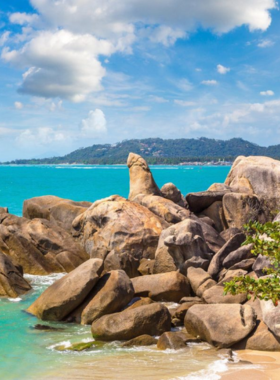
158,151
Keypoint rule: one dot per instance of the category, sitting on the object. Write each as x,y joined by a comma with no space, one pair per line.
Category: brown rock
244,265
229,233
141,178
216,213
201,200
139,301
169,287
182,309
146,266
175,340
195,262
220,325
142,340
238,255
112,292
151,319
171,192
12,283
4,210
200,280
66,294
216,295
271,316
213,239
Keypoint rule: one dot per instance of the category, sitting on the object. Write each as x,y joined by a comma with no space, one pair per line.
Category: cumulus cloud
23,18
18,105
60,64
210,82
40,136
95,124
267,93
222,69
166,35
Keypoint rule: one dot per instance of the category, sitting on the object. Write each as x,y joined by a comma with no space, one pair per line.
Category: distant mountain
159,151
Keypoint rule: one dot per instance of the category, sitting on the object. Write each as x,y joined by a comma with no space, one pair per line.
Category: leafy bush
266,241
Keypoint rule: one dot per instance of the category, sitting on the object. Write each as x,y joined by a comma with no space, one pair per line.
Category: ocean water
27,353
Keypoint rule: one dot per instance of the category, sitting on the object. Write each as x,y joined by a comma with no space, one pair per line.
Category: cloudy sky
79,72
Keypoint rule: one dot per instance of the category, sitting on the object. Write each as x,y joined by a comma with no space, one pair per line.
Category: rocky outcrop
142,340
260,176
141,178
57,210
39,246
171,192
120,232
111,294
200,280
12,283
216,213
271,316
66,294
200,201
215,295
151,320
164,208
170,286
179,243
220,325
238,255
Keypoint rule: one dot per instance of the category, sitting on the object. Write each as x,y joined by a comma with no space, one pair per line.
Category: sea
27,353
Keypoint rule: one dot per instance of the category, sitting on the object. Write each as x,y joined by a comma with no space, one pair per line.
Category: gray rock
238,255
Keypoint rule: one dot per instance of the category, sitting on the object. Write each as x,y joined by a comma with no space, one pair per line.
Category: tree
266,241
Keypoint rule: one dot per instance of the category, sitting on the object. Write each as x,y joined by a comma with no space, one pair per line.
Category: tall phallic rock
141,178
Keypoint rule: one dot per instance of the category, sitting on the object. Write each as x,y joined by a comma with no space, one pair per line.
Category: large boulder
12,283
111,294
164,208
231,245
171,286
202,200
120,232
200,280
216,213
260,175
220,325
141,178
261,264
58,210
66,294
213,239
215,294
240,208
271,316
152,319
179,243
171,192
175,340
39,246
238,255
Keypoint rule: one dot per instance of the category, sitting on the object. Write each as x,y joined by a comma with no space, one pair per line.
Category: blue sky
79,72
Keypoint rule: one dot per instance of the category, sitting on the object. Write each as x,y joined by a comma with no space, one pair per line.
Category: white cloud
166,35
23,18
94,125
4,38
184,103
184,85
198,70
267,93
158,99
61,64
210,82
40,136
222,69
265,43
18,105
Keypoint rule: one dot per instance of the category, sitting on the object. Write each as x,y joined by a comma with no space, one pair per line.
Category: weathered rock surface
152,320
213,239
260,175
238,255
142,340
220,325
231,245
120,232
175,340
244,265
112,292
201,200
262,263
66,294
139,301
261,339
239,209
271,316
184,307
216,295
141,178
39,246
12,283
146,266
229,233
196,262
171,192
164,208
216,213
200,280
171,286
179,243
4,210
57,210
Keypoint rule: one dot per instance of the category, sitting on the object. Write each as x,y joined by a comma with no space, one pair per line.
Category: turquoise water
26,353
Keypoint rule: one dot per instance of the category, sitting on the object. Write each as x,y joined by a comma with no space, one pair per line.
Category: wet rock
171,286
66,294
151,320
175,340
231,245
142,340
40,327
82,346
141,178
12,283
221,325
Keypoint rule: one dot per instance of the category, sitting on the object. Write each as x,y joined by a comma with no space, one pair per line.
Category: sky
74,73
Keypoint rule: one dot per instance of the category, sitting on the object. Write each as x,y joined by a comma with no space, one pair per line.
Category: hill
159,151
